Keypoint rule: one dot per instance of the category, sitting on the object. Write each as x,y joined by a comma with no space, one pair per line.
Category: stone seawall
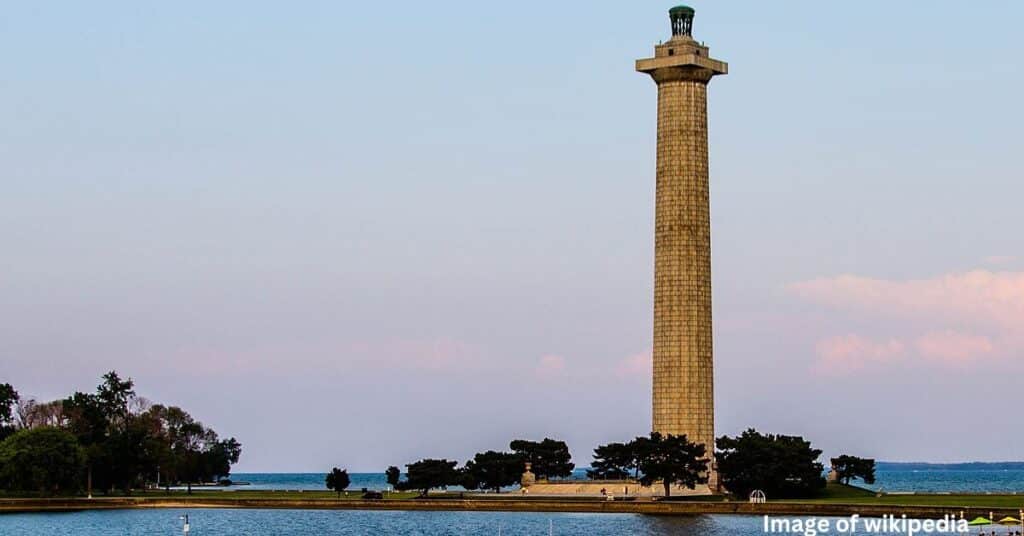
505,505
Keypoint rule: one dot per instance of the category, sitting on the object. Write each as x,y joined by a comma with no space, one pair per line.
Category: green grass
833,494
199,493
842,494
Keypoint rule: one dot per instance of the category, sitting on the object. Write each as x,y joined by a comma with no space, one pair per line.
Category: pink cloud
946,320
636,365
980,296
848,353
954,347
550,367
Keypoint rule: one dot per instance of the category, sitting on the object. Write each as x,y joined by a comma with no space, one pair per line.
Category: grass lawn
834,494
842,494
199,493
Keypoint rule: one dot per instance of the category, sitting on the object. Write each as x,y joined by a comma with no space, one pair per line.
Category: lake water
889,477
320,522
342,522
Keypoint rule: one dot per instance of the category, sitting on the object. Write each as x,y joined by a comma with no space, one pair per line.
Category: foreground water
319,522
331,522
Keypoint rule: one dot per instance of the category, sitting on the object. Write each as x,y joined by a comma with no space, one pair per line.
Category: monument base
613,488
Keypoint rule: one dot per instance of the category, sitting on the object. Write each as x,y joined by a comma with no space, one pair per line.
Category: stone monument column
683,398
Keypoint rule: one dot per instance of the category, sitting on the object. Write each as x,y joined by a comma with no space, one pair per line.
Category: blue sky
363,233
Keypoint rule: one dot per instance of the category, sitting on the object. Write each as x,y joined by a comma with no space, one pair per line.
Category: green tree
849,467
113,396
337,480
87,421
671,459
188,452
46,460
781,466
128,443
8,399
492,470
550,458
127,454
219,456
187,439
103,424
613,461
428,474
394,476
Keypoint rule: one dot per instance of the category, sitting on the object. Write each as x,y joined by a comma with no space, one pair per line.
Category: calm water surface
932,480
330,522
321,522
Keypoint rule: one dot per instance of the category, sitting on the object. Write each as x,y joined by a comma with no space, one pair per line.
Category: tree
220,456
428,474
549,458
127,454
86,420
492,470
671,459
848,467
127,442
613,461
114,396
394,476
33,414
45,460
113,442
8,399
337,480
780,466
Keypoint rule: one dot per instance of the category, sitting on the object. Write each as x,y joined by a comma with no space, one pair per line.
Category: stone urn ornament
528,477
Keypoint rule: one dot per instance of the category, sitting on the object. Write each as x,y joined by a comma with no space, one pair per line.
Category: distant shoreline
957,466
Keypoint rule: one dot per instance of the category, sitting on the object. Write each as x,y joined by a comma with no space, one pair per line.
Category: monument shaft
683,363
683,396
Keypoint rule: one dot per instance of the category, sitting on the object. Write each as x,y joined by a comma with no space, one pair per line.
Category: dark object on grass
373,495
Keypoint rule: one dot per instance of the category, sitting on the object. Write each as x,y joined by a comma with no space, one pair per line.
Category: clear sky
360,233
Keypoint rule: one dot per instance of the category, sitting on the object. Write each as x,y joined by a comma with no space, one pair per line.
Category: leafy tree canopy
493,470
549,458
113,396
394,476
127,442
8,398
667,460
849,467
337,480
45,460
781,466
429,474
671,459
613,461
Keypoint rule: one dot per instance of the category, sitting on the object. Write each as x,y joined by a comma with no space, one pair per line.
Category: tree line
491,470
108,440
779,465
